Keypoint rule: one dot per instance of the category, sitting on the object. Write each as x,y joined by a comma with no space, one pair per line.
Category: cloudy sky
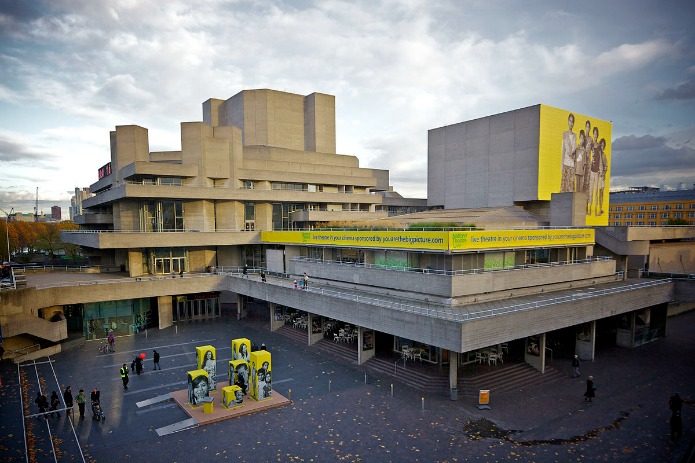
72,70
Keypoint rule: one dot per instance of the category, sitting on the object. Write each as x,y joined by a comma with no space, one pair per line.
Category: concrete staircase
411,376
507,378
512,377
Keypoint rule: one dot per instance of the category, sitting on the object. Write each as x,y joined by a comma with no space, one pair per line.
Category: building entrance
197,307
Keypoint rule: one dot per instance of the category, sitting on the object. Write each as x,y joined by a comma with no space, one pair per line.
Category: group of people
584,164
47,408
137,366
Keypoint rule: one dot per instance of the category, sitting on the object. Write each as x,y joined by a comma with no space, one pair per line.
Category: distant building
76,202
647,206
56,213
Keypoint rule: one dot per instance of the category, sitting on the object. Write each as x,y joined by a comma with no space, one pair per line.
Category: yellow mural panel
574,154
436,241
498,239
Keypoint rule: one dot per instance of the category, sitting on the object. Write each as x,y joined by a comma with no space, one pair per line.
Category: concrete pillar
165,311
314,337
240,307
453,374
276,320
366,346
585,342
542,346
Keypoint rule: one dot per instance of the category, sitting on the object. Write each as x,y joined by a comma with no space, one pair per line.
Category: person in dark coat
675,404
590,389
575,365
138,365
55,401
42,402
95,396
155,357
67,397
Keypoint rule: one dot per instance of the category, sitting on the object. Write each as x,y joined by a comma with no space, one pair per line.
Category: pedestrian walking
675,404
245,272
155,357
575,365
42,402
590,389
306,280
138,365
111,339
124,376
295,284
67,398
81,400
262,276
55,401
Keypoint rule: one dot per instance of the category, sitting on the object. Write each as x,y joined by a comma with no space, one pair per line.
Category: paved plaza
335,416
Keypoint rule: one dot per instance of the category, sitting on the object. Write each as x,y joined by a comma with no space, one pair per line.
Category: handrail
16,351
452,272
447,312
380,228
125,279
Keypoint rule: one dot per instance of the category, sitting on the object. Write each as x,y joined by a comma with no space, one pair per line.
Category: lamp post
7,230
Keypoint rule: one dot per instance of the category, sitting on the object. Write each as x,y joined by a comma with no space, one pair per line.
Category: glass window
617,216
679,206
642,207
156,216
652,216
664,215
248,184
250,211
629,208
640,216
654,207
667,207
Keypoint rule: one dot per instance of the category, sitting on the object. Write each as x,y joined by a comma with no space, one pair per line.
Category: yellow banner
496,239
574,155
437,241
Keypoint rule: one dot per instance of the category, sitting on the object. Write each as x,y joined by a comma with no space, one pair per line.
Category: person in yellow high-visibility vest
124,376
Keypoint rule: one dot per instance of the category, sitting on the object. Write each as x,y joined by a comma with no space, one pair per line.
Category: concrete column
240,307
276,320
542,346
585,343
314,337
165,311
453,374
365,351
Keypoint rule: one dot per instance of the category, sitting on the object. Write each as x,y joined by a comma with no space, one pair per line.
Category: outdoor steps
346,352
410,376
508,378
502,379
292,333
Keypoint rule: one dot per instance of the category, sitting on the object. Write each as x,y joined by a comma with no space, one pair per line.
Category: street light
7,230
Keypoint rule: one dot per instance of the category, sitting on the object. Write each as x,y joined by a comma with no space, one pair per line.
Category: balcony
462,283
94,219
336,216
127,239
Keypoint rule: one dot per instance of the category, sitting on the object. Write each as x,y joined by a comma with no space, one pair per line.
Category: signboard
574,155
436,240
497,239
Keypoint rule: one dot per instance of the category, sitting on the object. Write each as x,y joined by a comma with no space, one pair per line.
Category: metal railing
111,281
587,260
448,313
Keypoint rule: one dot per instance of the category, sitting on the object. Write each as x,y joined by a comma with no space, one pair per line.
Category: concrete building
241,216
56,213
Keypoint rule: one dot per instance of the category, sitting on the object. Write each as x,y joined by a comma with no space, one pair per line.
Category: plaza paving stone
355,421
